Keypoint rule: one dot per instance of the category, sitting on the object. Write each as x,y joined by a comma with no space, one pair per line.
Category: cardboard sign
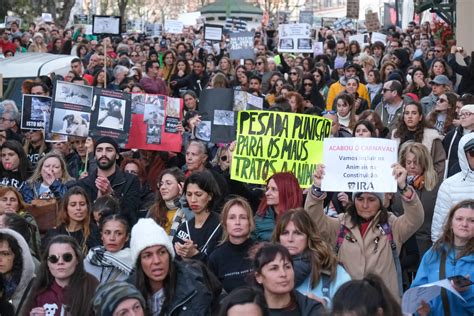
359,165
295,38
81,19
47,17
35,109
173,26
71,109
352,11
241,45
9,19
362,39
270,142
106,24
213,32
154,123
372,23
111,115
378,37
217,116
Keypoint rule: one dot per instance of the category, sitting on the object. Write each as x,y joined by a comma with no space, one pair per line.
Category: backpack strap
442,276
24,296
204,248
326,283
387,230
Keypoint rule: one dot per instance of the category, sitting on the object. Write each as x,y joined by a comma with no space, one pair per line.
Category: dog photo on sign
70,122
111,113
73,94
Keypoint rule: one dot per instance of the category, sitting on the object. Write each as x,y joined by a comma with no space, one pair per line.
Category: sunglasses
259,63
67,257
442,100
293,73
308,84
223,158
438,51
328,112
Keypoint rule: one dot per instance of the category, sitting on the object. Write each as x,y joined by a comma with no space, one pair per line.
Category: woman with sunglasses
167,211
62,286
310,93
282,193
412,126
112,261
74,220
295,78
444,113
275,275
321,83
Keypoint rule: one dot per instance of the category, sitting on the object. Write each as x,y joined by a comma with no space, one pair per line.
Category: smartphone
461,281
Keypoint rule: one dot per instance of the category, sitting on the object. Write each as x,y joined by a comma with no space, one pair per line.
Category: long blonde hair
240,201
37,173
423,159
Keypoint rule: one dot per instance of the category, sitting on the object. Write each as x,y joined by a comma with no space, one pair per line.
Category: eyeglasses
223,158
67,257
328,112
465,114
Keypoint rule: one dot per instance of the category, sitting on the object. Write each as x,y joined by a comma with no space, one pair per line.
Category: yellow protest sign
270,142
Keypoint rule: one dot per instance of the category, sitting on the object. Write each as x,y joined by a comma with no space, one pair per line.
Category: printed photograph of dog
73,93
70,122
111,113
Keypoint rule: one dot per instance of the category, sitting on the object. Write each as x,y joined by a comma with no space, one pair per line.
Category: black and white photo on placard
34,110
138,103
173,107
203,131
153,134
111,113
222,117
74,93
71,122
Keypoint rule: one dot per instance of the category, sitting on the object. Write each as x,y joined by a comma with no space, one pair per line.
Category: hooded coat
453,190
27,274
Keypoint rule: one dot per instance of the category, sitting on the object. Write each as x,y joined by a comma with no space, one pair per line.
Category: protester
118,298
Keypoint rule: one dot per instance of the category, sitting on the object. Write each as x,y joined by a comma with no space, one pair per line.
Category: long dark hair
159,209
24,166
356,220
364,298
169,284
81,286
402,131
17,267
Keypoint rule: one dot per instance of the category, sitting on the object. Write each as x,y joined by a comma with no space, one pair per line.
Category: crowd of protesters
159,233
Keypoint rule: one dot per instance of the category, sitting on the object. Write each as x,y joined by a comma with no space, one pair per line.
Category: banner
155,121
217,116
71,108
111,115
359,164
241,45
295,38
270,142
34,111
173,26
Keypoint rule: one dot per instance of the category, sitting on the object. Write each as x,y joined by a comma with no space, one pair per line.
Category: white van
24,66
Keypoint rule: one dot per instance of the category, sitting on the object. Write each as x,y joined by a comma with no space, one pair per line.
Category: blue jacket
30,191
429,272
341,277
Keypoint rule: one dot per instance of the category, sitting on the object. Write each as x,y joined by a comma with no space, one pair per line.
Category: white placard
318,48
47,17
359,38
212,32
102,24
295,38
173,26
359,164
412,298
379,37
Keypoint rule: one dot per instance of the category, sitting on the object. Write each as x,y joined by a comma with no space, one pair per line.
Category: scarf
121,260
10,286
302,267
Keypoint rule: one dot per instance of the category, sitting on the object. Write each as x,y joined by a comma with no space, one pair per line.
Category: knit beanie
107,140
379,195
109,295
147,233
